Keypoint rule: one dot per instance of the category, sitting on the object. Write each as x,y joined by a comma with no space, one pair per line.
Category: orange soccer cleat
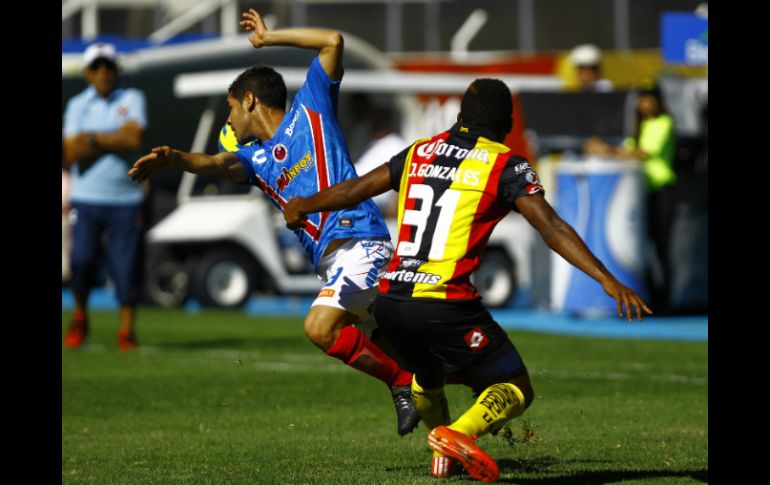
462,448
442,467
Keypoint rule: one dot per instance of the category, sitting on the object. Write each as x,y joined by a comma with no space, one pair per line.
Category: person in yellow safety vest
654,145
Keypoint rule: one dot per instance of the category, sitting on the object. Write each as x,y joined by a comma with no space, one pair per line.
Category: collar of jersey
473,130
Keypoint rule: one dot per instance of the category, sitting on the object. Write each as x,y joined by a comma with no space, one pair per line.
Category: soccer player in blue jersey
300,152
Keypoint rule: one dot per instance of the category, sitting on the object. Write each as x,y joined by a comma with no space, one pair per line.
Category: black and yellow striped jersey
453,189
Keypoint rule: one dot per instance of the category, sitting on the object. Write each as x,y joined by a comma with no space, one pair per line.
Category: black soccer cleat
408,417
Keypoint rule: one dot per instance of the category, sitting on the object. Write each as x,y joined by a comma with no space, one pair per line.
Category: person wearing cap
104,127
587,59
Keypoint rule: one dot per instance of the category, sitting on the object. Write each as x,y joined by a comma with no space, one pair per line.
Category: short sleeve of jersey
249,156
319,92
518,179
396,167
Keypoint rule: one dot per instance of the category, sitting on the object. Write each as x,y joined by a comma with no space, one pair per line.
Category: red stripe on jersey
322,168
404,230
488,213
309,226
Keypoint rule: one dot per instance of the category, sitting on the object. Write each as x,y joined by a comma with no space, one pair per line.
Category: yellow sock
431,404
498,404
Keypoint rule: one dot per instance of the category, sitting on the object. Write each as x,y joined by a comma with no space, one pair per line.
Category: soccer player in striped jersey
300,152
453,189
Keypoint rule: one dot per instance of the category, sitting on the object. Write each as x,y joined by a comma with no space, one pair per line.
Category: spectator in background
384,145
103,129
653,144
587,59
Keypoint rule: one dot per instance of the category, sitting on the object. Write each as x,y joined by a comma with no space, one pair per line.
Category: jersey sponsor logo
345,222
412,277
279,152
521,167
476,339
259,156
459,175
287,175
290,129
438,147
326,292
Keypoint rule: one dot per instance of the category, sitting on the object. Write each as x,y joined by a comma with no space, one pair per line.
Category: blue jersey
306,155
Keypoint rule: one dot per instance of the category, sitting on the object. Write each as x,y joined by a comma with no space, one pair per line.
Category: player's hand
294,218
625,298
254,22
158,159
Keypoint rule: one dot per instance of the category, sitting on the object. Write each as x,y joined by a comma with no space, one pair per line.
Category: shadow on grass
540,464
592,477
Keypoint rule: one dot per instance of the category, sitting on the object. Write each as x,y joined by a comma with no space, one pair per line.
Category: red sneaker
456,445
442,467
127,341
76,334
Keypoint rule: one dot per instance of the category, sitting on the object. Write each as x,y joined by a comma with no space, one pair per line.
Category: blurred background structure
218,244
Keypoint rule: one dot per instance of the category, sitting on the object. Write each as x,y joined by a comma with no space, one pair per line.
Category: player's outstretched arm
225,164
328,43
339,196
563,239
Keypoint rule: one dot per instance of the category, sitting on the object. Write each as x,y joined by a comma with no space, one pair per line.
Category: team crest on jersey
123,111
280,152
287,175
532,178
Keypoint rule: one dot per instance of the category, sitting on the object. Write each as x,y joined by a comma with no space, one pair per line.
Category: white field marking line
620,376
684,365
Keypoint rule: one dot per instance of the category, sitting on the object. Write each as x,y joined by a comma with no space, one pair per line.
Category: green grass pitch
224,397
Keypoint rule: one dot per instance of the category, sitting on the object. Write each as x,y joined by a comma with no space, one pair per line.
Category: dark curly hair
264,83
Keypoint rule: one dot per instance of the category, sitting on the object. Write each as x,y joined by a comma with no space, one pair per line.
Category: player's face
238,120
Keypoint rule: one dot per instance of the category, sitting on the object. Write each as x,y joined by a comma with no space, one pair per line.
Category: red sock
353,348
79,315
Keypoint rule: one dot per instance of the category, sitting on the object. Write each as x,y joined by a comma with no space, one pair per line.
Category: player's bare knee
319,332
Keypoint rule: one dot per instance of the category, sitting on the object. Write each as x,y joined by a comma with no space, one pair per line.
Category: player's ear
249,101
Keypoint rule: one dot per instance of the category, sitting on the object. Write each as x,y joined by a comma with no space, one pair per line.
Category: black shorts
436,336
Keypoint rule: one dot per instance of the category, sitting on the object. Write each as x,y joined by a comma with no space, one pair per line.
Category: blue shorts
116,230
